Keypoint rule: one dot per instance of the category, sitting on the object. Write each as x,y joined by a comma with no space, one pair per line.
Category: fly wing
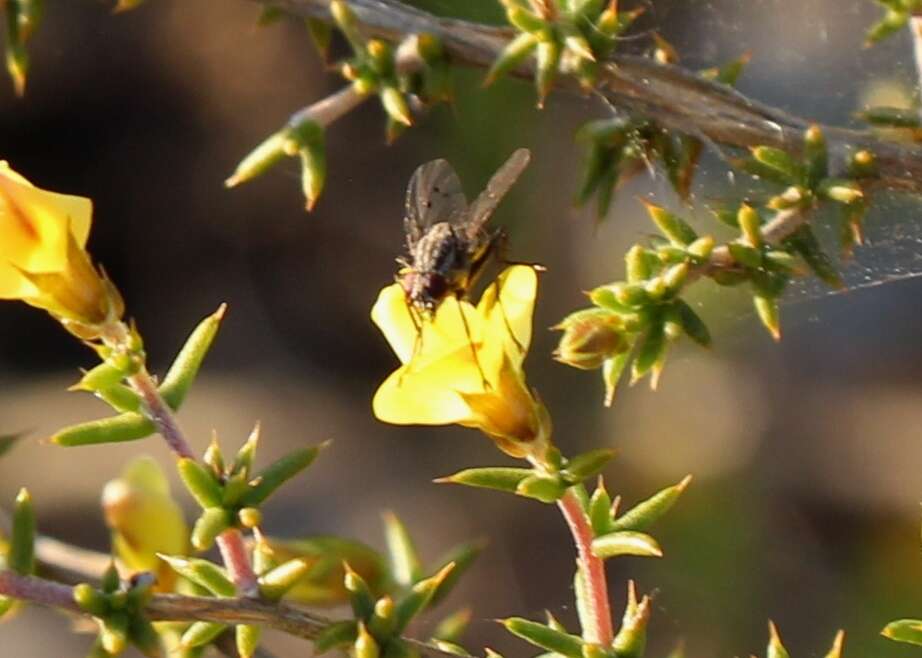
433,195
484,205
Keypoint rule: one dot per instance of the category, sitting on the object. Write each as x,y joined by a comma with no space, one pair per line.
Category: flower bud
590,339
145,520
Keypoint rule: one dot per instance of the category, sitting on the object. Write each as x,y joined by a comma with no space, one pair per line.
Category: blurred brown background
806,455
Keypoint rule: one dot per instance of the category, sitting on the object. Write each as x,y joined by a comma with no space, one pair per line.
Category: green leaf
382,621
587,464
625,543
117,429
337,634
201,633
21,555
7,441
91,600
599,511
692,324
452,627
513,55
103,376
745,255
279,472
546,488
651,350
816,157
786,170
892,22
203,573
545,637
210,524
246,637
492,477
904,630
185,367
775,647
360,596
200,482
365,645
804,242
891,117
462,556
274,584
644,514
675,228
404,558
418,598
611,374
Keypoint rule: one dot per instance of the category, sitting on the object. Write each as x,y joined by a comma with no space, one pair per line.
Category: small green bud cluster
564,36
621,147
118,609
380,616
416,73
896,16
634,321
230,495
275,580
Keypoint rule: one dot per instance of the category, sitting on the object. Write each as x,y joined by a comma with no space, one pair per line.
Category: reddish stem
160,414
599,629
237,561
36,590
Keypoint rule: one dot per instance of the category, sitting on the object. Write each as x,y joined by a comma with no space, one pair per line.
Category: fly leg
501,247
417,342
470,342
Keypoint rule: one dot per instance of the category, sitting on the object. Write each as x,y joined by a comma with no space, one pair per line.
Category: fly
448,241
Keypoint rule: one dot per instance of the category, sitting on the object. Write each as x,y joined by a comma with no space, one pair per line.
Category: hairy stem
160,413
237,560
600,630
37,590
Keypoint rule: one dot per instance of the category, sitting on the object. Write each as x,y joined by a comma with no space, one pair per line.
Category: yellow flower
42,256
471,376
145,520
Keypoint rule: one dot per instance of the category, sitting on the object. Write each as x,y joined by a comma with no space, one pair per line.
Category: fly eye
435,286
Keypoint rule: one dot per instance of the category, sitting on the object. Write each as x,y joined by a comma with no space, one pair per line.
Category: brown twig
677,98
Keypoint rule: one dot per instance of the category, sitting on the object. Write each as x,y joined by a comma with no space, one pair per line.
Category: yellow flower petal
34,227
405,399
424,341
512,315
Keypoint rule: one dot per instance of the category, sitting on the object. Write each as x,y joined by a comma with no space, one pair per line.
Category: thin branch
82,566
782,226
38,590
160,414
236,558
677,98
593,569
